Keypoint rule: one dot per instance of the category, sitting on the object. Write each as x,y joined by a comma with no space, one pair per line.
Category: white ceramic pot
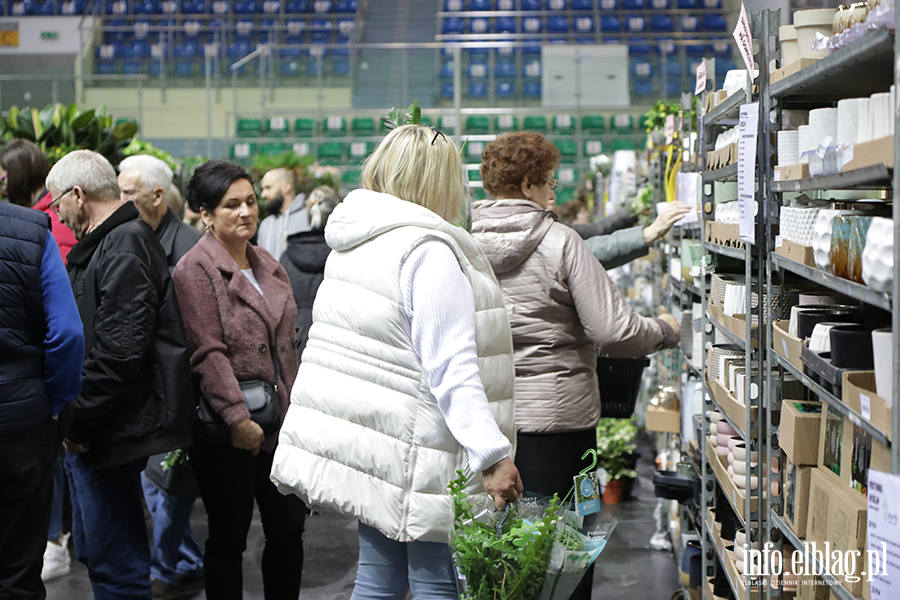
730,470
726,428
713,428
884,371
878,255
821,241
740,453
808,23
790,50
715,416
739,467
722,450
740,482
730,458
723,439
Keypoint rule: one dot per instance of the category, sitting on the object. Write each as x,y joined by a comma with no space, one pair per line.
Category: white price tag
670,129
747,134
865,404
700,84
779,241
776,176
744,39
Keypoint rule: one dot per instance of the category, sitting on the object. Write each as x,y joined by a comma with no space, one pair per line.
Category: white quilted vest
364,435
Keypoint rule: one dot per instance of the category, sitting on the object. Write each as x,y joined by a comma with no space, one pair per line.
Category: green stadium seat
243,151
642,122
271,149
472,151
334,126
447,124
302,148
623,145
427,121
568,150
359,151
363,127
504,123
563,124
477,125
536,123
474,173
304,128
248,128
478,193
622,123
593,147
567,176
351,177
564,194
593,125
330,153
276,127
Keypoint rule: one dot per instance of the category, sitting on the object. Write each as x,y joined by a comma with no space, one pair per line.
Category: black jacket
304,261
136,399
176,238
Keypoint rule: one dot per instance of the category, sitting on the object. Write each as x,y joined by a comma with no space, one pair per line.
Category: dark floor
627,569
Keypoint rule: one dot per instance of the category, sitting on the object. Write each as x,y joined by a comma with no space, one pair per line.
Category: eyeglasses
54,203
436,134
551,182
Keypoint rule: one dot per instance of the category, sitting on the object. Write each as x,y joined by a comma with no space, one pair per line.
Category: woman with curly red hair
562,307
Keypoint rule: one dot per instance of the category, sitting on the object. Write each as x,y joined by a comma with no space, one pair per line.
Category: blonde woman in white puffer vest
408,373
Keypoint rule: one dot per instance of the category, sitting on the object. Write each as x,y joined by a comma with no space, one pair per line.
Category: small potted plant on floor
615,448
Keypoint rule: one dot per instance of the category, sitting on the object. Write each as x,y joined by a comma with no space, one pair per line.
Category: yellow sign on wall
9,35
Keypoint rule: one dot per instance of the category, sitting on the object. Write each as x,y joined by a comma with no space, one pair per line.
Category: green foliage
174,458
642,204
511,567
615,442
59,129
397,116
141,147
655,118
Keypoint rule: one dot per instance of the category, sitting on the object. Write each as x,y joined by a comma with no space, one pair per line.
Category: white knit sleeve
440,305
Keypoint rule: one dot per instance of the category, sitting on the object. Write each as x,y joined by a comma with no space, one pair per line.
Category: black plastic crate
620,384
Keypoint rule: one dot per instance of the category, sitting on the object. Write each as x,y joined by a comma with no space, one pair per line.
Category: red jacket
230,326
64,237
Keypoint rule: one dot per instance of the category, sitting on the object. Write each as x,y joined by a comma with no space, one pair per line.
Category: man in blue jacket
41,354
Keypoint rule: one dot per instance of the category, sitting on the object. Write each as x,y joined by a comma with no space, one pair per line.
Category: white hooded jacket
364,434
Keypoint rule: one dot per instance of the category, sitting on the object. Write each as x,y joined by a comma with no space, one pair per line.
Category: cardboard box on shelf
788,70
837,516
799,432
870,153
791,172
801,254
847,452
736,411
859,394
666,421
811,587
796,497
786,345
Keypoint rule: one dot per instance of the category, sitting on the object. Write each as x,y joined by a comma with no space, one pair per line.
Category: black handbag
261,399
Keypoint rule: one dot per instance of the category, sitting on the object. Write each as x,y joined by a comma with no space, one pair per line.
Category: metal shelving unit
727,110
723,174
845,286
728,251
875,177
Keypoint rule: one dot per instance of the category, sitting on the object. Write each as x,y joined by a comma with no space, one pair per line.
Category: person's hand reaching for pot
670,215
502,482
671,322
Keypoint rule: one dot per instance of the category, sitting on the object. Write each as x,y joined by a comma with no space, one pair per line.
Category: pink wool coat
230,326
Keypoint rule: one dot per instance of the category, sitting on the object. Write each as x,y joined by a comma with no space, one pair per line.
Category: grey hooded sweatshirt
562,307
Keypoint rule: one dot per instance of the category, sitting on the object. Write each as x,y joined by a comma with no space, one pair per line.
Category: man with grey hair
176,561
136,398
287,212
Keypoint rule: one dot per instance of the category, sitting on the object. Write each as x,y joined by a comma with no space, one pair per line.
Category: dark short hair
26,171
507,160
210,181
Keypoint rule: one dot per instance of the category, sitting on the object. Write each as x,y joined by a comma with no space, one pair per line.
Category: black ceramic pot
807,319
851,347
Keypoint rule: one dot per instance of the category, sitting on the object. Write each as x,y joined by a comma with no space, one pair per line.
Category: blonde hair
406,164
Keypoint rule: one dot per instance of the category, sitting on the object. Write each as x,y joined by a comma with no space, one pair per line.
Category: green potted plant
615,454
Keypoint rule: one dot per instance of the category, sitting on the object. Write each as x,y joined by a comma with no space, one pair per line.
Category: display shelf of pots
723,174
727,109
865,67
873,177
849,288
736,253
720,555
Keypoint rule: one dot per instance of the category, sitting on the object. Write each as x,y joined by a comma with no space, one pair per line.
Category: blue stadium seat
218,26
244,27
505,25
118,8
447,90
687,4
531,4
672,68
635,24
340,66
154,66
585,40
220,7
723,66
244,7
641,67
322,7
346,26
344,49
479,25
267,31
146,7
642,87
712,3
169,7
346,7
185,54
135,48
638,47
556,4
41,8
608,4
532,68
193,7
557,25
271,7
292,40
673,87
446,71
72,7
295,27
535,49
505,89
106,59
479,5
531,25
715,23
238,49
192,28
117,31
633,5
662,23
582,4
720,47
296,7
584,25
320,37
659,4
477,71
142,28
17,8
690,24
321,25
695,49
478,89
505,68
532,89
610,24
454,5
453,25
666,47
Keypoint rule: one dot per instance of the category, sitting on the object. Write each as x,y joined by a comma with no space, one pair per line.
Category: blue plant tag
587,494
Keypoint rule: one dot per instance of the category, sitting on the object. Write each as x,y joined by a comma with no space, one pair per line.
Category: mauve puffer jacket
563,308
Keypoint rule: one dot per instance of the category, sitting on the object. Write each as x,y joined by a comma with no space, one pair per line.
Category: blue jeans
56,509
388,569
174,550
108,528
